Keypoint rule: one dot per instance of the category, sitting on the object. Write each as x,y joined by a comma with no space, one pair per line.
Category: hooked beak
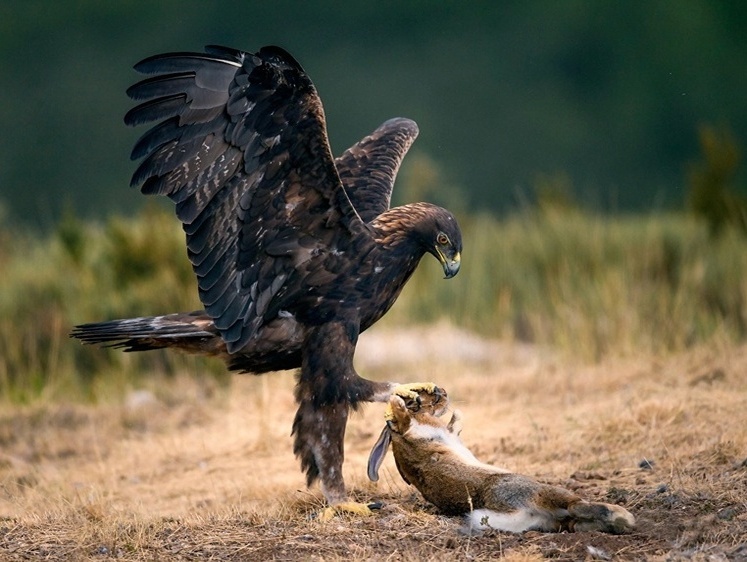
451,266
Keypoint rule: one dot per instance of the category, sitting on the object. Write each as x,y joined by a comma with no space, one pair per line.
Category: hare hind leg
605,517
517,521
518,503
580,516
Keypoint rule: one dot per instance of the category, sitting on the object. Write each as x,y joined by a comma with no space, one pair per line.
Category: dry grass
192,470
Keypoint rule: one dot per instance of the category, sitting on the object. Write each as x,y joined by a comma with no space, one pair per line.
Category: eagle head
441,237
417,228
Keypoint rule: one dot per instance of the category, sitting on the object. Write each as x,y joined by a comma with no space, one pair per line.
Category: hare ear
378,453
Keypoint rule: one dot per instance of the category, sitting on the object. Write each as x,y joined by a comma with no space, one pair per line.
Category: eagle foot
350,508
417,395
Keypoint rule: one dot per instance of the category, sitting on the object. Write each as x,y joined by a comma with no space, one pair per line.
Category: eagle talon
413,395
414,403
350,508
414,392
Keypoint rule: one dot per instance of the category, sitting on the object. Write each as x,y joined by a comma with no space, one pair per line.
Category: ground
185,469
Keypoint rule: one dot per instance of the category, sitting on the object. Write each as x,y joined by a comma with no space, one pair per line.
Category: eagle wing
241,148
369,167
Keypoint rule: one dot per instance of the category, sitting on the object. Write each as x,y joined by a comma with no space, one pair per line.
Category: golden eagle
295,252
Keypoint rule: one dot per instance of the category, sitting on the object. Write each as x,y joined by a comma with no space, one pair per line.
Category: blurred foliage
85,272
554,193
586,285
609,92
712,190
589,285
424,179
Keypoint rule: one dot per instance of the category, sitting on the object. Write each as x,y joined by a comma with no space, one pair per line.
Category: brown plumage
295,252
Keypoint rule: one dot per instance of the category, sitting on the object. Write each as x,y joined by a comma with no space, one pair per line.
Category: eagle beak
451,266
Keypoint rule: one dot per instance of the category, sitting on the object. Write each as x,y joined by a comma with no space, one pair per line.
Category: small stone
646,464
140,399
727,514
597,553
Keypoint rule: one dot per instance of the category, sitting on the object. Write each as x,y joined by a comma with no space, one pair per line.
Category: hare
430,456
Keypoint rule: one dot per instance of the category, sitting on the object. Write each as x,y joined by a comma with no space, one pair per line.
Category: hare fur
430,455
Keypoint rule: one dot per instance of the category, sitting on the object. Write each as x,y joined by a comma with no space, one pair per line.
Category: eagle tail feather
192,332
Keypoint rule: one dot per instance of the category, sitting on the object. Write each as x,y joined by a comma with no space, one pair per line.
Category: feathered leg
328,388
319,444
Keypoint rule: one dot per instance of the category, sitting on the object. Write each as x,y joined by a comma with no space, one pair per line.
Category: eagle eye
442,239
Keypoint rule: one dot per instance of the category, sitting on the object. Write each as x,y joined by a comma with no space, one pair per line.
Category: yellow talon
388,413
352,508
411,390
417,395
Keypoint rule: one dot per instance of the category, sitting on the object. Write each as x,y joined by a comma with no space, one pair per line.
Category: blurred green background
602,99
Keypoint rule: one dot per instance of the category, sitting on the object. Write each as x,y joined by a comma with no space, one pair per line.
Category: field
610,360
192,471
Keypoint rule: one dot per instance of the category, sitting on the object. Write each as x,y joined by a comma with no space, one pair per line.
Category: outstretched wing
368,168
241,147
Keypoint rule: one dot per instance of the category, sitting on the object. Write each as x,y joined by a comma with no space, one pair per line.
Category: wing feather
161,108
368,168
240,145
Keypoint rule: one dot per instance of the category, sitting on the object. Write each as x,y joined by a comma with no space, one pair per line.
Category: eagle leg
319,432
319,444
328,387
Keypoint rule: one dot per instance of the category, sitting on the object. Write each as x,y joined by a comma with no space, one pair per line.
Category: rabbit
430,455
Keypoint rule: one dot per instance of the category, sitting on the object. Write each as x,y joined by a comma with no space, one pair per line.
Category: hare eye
442,239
